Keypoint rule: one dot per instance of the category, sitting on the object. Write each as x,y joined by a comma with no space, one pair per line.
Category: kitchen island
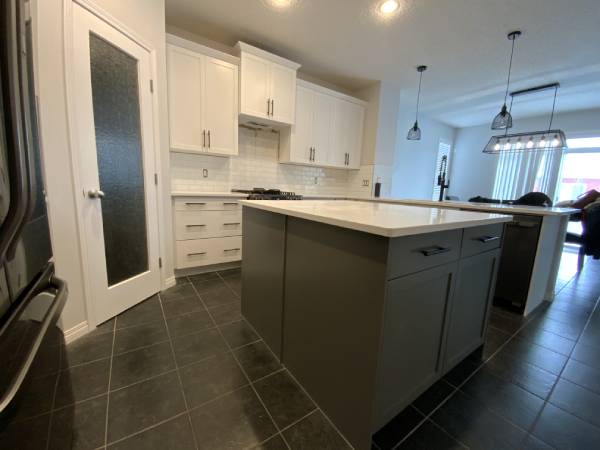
368,304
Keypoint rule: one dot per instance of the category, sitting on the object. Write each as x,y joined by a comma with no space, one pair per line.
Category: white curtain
518,173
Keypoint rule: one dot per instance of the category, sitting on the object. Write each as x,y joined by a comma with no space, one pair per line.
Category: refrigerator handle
49,319
16,131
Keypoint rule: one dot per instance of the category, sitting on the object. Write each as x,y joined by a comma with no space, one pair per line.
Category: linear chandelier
544,140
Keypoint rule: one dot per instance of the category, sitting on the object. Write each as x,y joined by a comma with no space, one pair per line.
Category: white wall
473,172
145,18
414,163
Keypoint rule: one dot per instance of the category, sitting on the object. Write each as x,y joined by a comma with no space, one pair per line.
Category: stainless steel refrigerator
31,296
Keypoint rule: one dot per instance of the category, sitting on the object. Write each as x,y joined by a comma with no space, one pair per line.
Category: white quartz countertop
503,209
384,219
208,194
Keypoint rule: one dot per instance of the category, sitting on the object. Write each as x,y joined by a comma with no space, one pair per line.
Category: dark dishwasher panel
516,263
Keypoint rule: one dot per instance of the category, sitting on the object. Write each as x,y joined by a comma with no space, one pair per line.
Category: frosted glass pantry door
112,99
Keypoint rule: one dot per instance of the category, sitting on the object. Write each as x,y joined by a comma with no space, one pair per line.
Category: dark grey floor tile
569,331
430,437
537,355
208,285
80,426
178,292
192,348
435,395
175,434
189,323
238,333
568,306
531,378
587,354
257,360
568,317
494,339
577,400
230,312
135,337
87,348
219,295
565,431
147,311
30,434
462,371
505,321
591,337
235,421
504,398
203,276
137,365
235,284
314,432
104,327
82,382
583,375
284,398
47,361
144,404
35,397
274,443
211,377
181,280
234,272
533,443
398,428
468,421
182,305
548,340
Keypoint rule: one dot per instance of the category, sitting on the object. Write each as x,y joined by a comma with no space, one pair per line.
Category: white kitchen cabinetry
267,86
208,231
203,101
328,131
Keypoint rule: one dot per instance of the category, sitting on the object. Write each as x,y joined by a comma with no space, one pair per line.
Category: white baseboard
81,329
170,282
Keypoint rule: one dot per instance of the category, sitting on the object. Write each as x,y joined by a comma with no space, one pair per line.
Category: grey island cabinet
367,304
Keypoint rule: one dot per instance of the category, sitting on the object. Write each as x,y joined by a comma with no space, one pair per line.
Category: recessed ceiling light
388,6
280,3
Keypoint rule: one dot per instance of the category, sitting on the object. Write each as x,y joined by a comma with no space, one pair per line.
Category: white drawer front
207,224
204,252
206,204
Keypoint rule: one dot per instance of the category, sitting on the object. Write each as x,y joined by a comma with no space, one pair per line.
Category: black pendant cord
512,51
553,107
418,97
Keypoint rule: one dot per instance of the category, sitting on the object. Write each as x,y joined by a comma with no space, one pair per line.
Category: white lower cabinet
207,231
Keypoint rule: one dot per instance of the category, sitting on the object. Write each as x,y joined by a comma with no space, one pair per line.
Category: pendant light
504,119
414,133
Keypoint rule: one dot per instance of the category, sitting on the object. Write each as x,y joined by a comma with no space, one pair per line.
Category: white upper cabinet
328,131
203,100
267,86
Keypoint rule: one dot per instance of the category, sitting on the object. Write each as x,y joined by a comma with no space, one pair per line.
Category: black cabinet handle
232,250
232,223
435,250
194,204
197,254
194,226
486,239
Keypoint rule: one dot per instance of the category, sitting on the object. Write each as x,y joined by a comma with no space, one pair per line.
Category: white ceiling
347,43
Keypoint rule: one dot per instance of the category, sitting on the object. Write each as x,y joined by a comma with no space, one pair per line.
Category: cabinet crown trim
176,41
242,47
318,88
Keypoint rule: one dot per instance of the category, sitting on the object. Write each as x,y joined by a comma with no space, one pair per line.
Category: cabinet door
220,107
283,93
347,130
255,86
412,338
185,100
356,120
323,107
470,304
302,130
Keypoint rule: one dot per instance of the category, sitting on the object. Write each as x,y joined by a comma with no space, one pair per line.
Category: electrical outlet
205,173
365,183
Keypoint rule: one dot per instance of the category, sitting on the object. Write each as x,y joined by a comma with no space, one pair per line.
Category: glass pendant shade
414,133
503,120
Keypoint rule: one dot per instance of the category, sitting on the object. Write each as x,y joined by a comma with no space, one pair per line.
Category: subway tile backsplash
257,166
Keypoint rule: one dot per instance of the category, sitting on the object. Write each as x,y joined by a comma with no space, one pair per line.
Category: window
579,172
518,173
442,162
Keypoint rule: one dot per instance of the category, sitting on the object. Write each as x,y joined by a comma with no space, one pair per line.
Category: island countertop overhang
383,219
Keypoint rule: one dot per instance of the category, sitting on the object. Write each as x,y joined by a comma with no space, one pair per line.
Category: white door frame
68,22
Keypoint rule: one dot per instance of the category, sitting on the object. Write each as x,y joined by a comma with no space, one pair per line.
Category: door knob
95,193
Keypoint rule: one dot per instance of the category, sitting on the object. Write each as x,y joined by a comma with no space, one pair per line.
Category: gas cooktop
268,194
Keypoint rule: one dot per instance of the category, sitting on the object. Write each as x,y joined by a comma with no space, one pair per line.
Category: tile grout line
243,371
185,403
112,350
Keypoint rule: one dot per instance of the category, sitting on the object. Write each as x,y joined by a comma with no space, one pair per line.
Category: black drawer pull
232,223
195,204
232,250
436,250
197,254
193,226
230,203
487,239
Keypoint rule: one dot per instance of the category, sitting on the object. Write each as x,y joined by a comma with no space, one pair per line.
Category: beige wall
146,19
